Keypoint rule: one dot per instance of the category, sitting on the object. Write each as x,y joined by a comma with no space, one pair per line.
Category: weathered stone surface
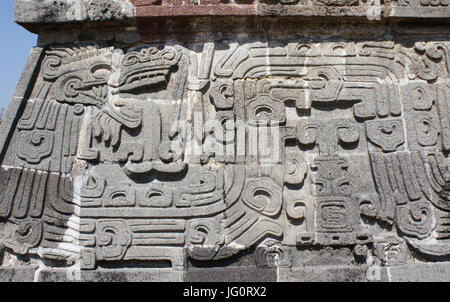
67,11
18,273
424,272
261,144
110,275
59,11
231,274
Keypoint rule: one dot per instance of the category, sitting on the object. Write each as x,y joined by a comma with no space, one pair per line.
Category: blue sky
14,50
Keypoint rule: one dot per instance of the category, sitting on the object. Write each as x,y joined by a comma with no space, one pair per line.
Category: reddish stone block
188,29
203,10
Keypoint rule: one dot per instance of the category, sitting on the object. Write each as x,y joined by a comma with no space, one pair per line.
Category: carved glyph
168,152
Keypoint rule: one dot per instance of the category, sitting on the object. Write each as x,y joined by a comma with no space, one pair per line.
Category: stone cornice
53,13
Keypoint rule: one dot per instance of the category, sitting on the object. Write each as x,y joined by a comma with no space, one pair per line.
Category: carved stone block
233,146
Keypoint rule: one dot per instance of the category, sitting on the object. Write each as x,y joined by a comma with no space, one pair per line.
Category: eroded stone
250,158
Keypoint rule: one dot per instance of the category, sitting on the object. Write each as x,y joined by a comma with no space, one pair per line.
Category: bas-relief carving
101,164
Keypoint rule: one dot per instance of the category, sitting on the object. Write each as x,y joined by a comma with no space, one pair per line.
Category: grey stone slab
75,11
231,274
112,275
49,11
180,142
25,273
329,274
421,272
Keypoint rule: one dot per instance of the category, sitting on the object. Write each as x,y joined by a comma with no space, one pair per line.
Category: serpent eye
101,71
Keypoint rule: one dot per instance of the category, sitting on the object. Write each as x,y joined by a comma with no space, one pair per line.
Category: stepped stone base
423,272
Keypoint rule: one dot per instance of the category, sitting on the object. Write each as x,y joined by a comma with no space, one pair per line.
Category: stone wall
168,140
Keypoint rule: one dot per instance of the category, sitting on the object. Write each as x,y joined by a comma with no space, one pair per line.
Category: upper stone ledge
68,11
34,13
